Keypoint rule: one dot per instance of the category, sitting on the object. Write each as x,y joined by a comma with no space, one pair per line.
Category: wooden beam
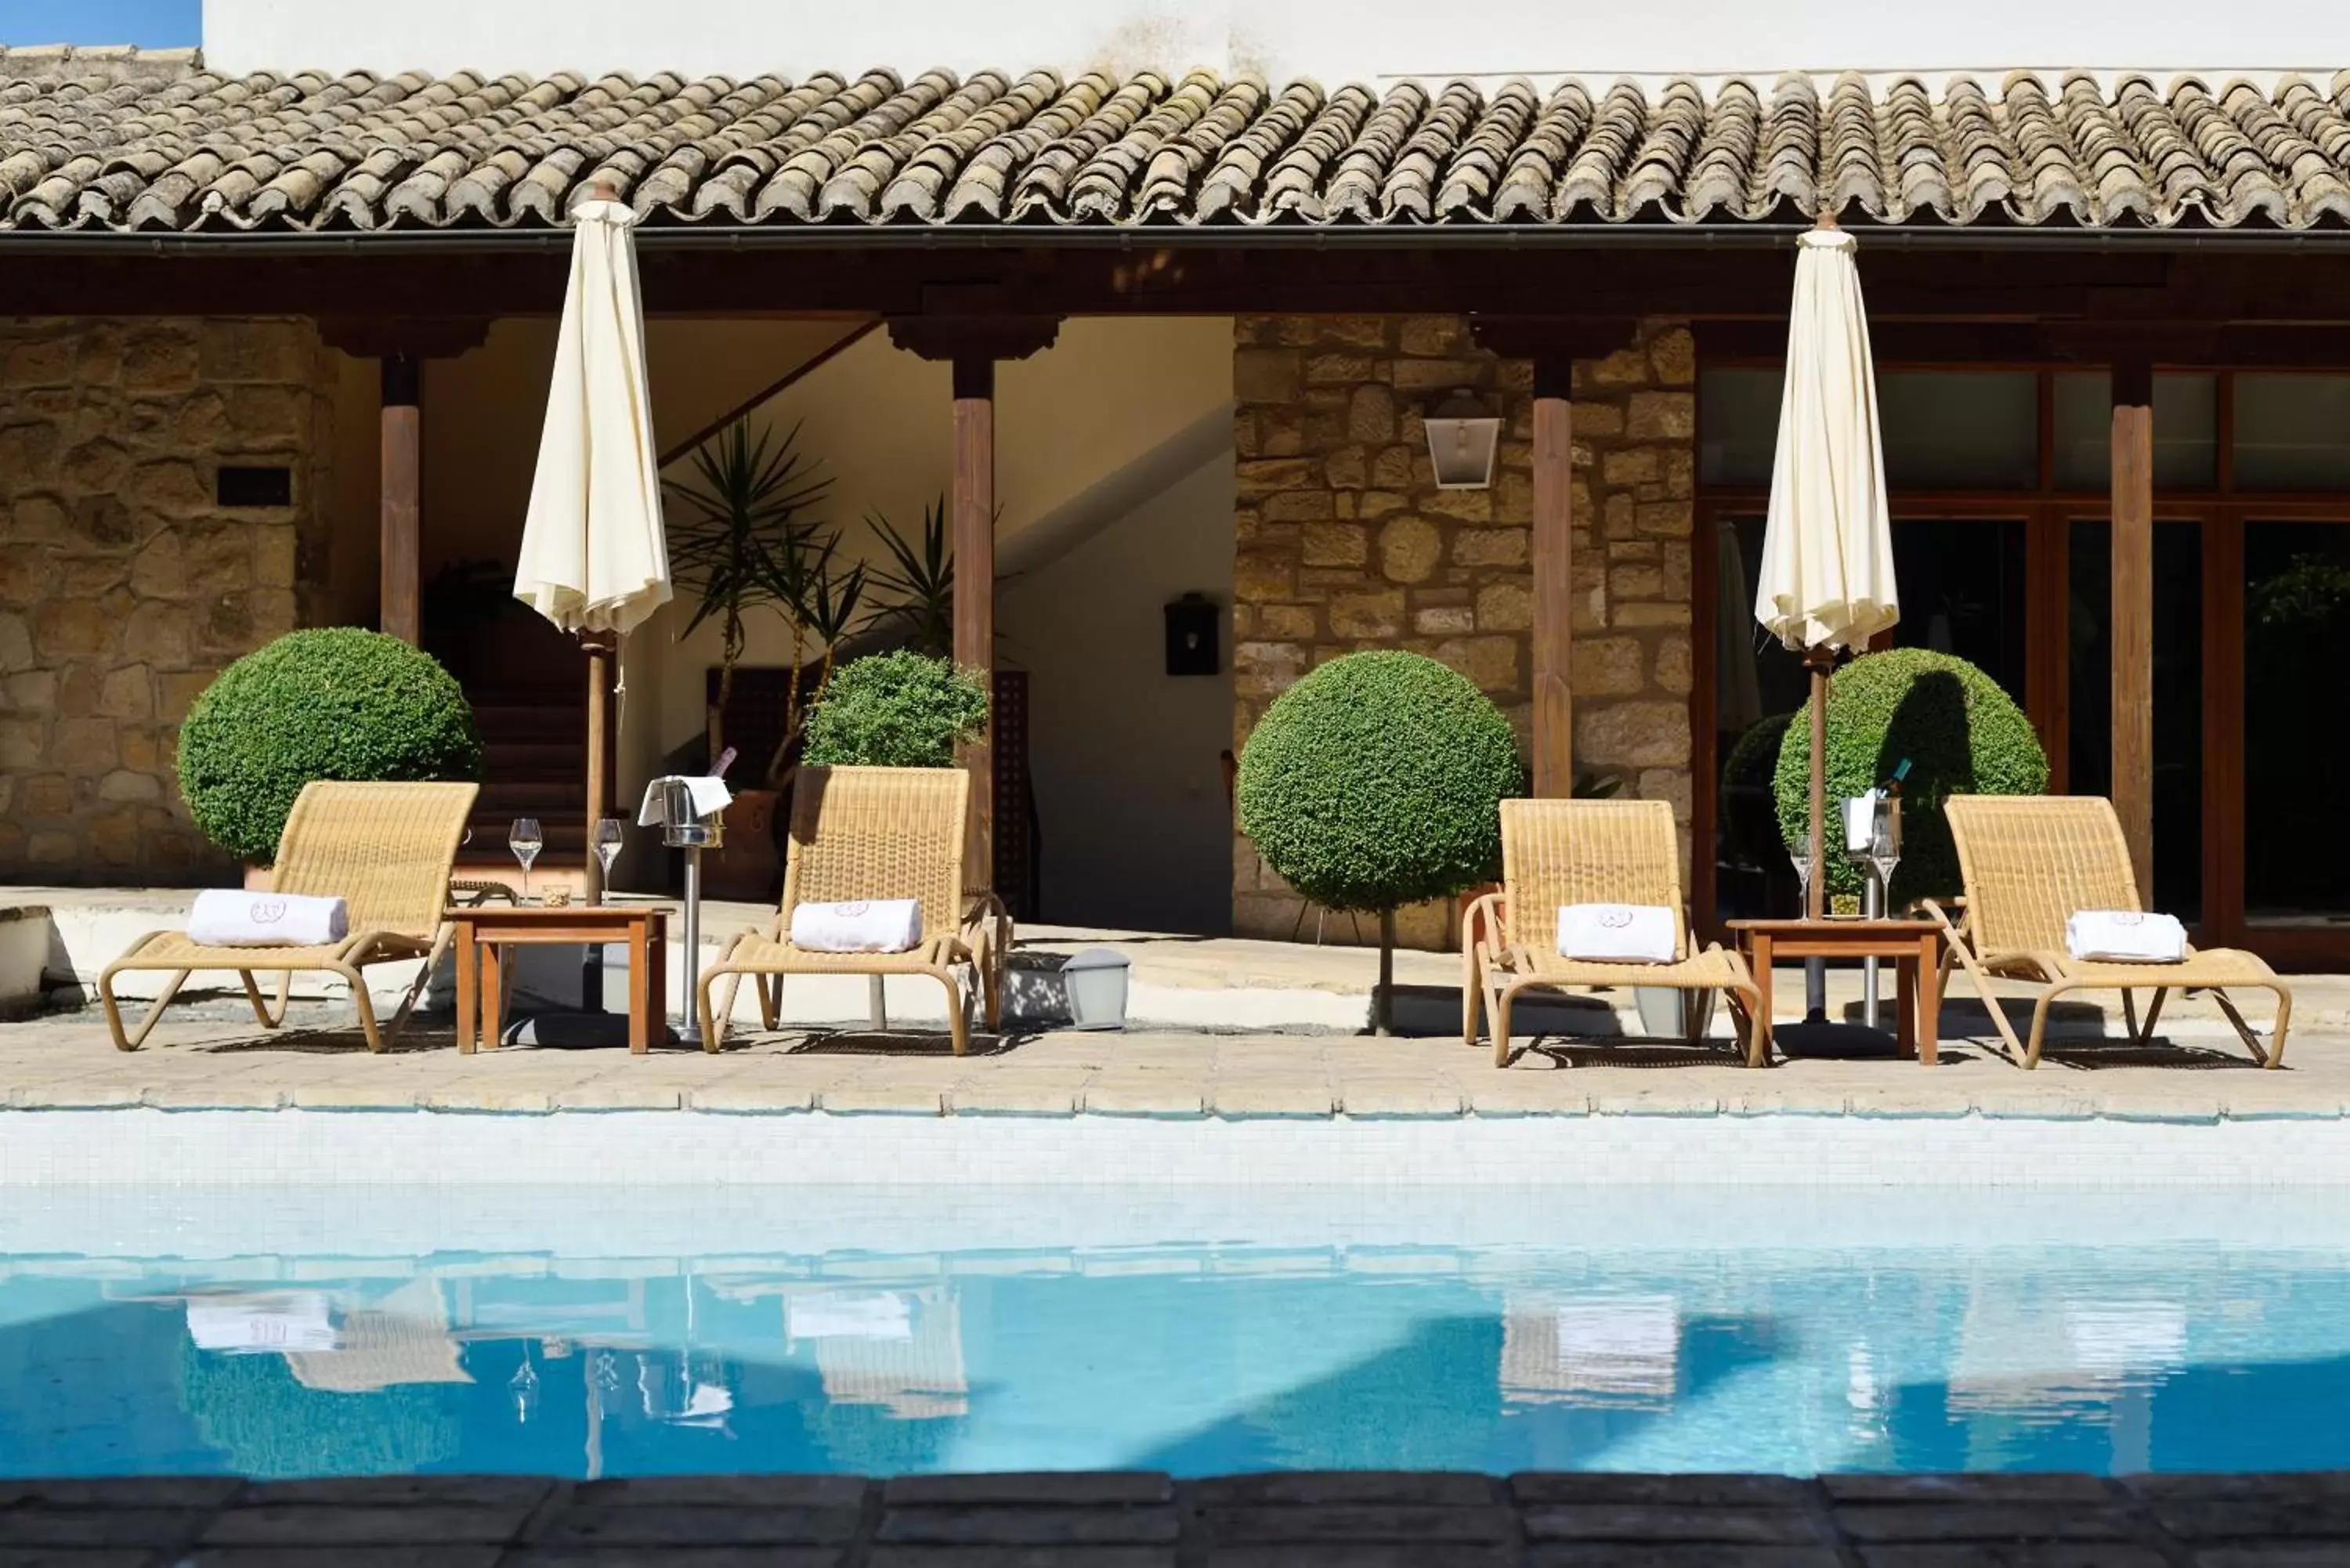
2133,615
973,343
402,489
974,512
1554,343
1554,575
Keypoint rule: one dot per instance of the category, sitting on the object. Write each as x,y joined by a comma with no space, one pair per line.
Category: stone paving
211,1056
1140,1520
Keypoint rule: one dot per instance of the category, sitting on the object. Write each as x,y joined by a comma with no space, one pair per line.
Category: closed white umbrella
594,556
595,559
1826,581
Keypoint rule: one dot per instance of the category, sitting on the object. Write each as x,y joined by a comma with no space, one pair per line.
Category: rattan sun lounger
384,849
873,833
2029,863
1561,852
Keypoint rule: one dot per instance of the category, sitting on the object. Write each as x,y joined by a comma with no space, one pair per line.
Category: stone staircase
534,763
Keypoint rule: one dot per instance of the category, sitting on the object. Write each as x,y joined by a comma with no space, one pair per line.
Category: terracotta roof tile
118,141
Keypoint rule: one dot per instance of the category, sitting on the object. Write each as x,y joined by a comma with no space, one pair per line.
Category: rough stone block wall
125,586
1345,543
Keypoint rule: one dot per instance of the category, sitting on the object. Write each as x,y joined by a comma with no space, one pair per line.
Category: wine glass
1800,855
1884,855
607,845
525,838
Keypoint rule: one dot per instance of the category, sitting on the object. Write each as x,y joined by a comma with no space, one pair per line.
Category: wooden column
402,491
603,650
1553,344
2133,615
972,341
1554,575
973,509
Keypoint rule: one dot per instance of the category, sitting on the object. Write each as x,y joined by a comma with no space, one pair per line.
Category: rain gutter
1417,237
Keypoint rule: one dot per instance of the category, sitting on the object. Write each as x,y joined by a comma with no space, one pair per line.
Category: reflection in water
1197,1359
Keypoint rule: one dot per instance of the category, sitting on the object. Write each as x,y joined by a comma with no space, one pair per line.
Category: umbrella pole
600,648
1819,661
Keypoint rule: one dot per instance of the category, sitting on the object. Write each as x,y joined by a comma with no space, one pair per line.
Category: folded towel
874,926
1618,933
226,918
2125,936
236,1325
710,796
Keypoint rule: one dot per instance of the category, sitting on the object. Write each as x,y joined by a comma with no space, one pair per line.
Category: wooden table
1914,946
485,931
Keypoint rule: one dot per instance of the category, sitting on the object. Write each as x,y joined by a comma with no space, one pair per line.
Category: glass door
2296,754
2177,696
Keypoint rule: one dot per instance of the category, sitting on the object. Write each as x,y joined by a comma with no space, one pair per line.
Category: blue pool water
1900,1330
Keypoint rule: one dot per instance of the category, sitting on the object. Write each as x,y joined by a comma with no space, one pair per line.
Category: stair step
508,755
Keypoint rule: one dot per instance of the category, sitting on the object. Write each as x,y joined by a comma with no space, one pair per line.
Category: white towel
1618,933
223,918
710,796
2125,936
874,926
239,1324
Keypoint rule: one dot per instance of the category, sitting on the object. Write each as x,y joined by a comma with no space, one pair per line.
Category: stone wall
1345,543
125,586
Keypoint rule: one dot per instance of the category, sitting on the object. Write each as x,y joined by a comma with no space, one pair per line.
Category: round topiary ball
336,704
901,710
1377,781
1962,733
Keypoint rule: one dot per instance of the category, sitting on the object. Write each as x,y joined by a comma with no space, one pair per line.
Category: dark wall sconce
1192,623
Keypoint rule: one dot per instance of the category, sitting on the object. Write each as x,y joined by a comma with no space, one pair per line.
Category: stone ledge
1121,1519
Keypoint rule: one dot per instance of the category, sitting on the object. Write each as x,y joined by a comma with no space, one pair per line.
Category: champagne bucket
681,826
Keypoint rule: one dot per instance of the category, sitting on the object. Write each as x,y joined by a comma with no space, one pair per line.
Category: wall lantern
1461,439
1191,634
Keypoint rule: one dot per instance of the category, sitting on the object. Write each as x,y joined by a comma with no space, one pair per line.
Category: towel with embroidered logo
2125,936
1618,933
868,925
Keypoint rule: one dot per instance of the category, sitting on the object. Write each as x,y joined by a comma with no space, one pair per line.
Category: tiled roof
131,146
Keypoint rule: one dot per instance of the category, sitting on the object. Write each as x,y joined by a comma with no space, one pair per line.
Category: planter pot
744,868
1671,1013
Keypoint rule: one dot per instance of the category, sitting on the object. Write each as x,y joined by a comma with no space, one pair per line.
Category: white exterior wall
1113,472
1330,39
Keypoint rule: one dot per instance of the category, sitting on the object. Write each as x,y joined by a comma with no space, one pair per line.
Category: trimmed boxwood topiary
901,710
339,703
1375,782
1962,733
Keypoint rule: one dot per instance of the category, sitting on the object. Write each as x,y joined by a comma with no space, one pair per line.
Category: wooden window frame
2047,512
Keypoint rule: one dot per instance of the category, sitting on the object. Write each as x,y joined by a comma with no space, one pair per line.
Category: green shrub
1962,734
1375,781
900,709
336,704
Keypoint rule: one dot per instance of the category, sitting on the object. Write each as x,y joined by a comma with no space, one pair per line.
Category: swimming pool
295,1333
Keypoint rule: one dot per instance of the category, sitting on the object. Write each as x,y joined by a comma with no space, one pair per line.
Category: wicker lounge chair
870,833
384,849
2029,863
1561,852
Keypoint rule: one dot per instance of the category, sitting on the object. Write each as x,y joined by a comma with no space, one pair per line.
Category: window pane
2292,432
1758,687
1738,425
2186,432
1942,430
2296,749
1963,592
1957,430
2178,696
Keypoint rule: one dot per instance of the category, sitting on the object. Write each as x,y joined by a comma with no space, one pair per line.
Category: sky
150,24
